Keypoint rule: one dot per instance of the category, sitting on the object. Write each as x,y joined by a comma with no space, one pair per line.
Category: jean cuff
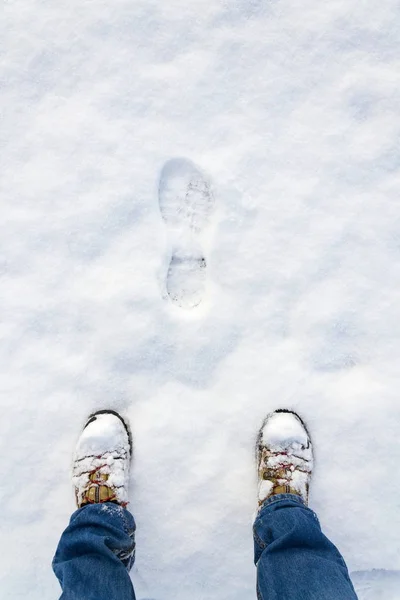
279,498
115,511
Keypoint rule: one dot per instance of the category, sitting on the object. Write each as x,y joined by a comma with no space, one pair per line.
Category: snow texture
290,110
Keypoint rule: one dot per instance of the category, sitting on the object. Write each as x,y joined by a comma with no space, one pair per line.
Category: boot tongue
95,494
285,489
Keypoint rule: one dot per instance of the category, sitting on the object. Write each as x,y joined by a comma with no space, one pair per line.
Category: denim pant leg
95,553
294,559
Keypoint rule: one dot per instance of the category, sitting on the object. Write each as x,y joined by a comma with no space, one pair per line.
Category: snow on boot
284,456
102,458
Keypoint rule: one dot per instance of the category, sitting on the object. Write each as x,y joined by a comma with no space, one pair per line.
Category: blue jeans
294,559
95,554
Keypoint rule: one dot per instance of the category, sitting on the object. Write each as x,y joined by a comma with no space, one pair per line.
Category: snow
101,434
282,431
291,111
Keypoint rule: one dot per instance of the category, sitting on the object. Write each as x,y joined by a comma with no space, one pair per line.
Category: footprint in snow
186,203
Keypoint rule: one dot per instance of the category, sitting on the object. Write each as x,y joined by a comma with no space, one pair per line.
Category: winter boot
284,456
102,459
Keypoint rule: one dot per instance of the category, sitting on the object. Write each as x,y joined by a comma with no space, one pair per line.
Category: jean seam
129,530
258,592
258,540
125,522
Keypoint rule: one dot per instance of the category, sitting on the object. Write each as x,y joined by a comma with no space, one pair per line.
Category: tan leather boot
284,456
102,460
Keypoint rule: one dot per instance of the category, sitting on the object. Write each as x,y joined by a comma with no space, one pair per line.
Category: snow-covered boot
102,459
284,456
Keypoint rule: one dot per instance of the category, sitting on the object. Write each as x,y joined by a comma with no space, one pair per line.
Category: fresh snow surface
291,112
